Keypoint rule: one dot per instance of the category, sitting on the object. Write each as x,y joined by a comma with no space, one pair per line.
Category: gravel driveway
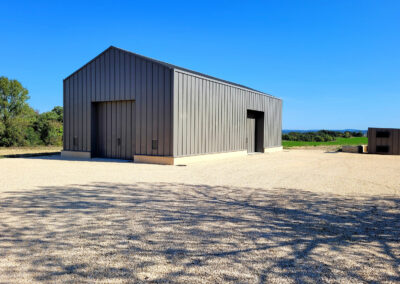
291,217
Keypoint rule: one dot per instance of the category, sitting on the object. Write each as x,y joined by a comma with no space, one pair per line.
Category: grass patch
338,142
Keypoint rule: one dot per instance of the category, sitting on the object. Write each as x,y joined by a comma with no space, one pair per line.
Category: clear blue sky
335,64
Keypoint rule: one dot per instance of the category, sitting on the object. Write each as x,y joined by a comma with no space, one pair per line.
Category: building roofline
83,66
171,66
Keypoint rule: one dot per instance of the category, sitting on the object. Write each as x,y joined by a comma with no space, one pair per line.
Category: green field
338,142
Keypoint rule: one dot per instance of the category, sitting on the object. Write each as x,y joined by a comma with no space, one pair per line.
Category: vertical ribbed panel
113,129
116,75
395,142
251,130
210,115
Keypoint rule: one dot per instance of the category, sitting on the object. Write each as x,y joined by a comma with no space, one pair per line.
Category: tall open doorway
255,131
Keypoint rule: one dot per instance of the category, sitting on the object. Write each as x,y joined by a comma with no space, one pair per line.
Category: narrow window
382,149
382,134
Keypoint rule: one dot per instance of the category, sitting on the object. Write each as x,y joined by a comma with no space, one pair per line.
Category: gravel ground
298,216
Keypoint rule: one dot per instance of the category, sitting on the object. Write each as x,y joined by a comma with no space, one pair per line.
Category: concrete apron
167,160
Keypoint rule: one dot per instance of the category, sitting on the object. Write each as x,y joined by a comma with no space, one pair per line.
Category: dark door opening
113,133
255,131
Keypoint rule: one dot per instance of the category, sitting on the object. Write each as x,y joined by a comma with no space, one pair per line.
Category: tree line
320,136
20,124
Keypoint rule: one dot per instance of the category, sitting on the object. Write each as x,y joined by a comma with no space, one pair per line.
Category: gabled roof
171,66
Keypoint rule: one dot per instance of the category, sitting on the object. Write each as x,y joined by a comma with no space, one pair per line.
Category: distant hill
285,131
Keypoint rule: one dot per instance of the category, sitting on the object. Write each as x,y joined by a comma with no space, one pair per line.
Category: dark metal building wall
210,115
393,141
396,142
117,75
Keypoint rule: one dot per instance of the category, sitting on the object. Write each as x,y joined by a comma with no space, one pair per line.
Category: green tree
15,113
58,110
49,126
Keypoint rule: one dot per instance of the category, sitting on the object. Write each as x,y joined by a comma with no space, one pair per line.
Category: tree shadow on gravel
167,232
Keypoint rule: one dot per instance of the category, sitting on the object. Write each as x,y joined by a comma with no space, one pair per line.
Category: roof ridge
172,66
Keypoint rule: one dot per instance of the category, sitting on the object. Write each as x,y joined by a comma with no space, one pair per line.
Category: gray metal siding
116,75
210,115
251,130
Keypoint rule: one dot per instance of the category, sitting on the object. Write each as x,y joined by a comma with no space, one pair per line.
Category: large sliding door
114,130
251,134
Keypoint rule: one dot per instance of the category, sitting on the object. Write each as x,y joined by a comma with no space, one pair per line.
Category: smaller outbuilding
384,141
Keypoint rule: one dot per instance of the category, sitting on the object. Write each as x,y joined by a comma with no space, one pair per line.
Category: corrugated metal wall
117,75
210,115
251,130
